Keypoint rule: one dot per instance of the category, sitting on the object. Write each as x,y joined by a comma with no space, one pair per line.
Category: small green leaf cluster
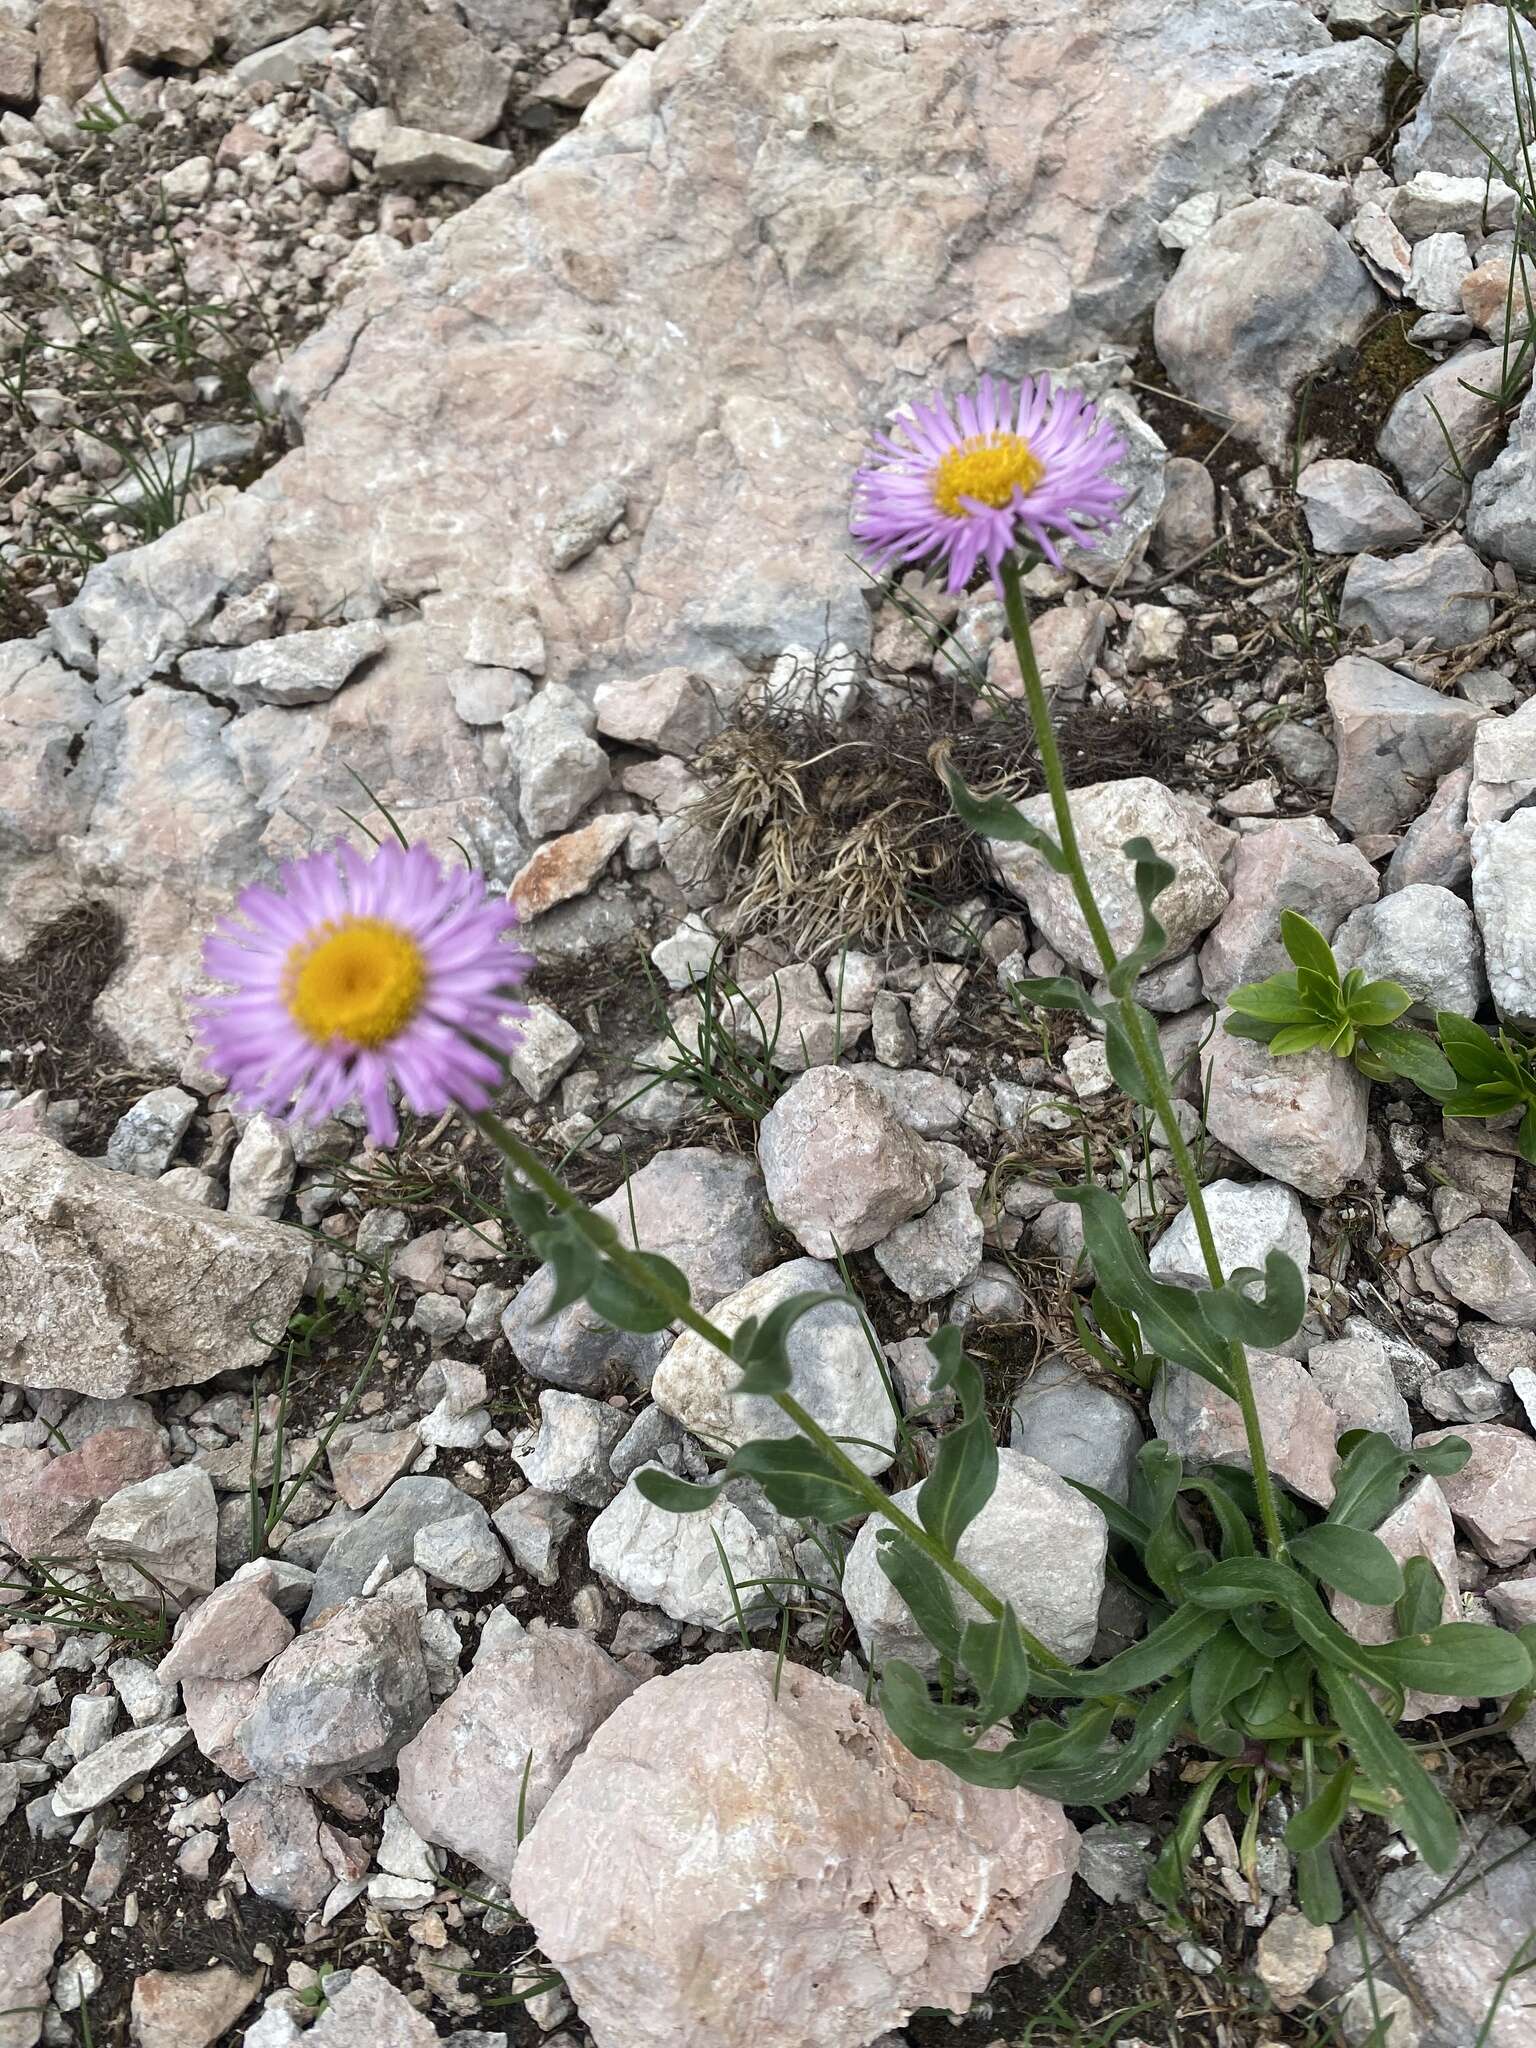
1314,1007
1242,1654
1494,1076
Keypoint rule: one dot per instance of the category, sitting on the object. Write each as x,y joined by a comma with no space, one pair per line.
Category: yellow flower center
987,469
362,981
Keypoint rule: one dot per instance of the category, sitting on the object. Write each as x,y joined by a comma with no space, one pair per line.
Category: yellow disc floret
360,980
987,469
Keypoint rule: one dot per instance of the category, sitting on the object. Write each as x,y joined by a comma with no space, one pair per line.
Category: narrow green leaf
1057,992
1368,1481
1165,1882
1465,1658
1352,1561
1423,1599
1322,1814
1277,999
1378,1003
1169,1647
1123,1065
1224,1667
938,1733
1317,1887
1416,1801
1268,1320
1307,947
1172,1319
1153,875
1114,1771
630,1306
1414,1056
759,1347
964,1470
1475,1055
996,817
924,1588
994,1655
678,1496
799,1479
1295,1038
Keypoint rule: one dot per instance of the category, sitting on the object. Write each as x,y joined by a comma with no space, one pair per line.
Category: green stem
532,1169
1136,1026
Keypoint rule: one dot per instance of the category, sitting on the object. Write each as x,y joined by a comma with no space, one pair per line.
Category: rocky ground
384,442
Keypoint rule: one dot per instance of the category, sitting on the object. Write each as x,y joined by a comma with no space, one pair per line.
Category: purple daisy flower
968,482
357,971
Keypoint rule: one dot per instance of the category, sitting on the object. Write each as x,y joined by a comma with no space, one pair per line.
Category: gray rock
1469,96
930,1104
533,1526
1106,815
546,1049
1249,1220
1081,1431
482,1769
561,767
1503,766
1440,263
1465,1393
148,1136
1229,341
1504,898
1296,864
1437,203
299,668
670,1561
1501,517
157,1538
1300,1119
936,1252
1115,1860
261,1169
1423,938
706,1211
1432,593
1394,737
586,521
341,1699
1205,1426
420,156
654,1438
434,72
275,1834
1461,1942
462,1553
1350,506
1355,1378
1435,849
1481,1266
1140,475
673,711
385,1535
29,1941
285,62
840,1169
1036,1542
695,1806
93,1278
1451,407
835,1375
569,1454
1306,755
119,1765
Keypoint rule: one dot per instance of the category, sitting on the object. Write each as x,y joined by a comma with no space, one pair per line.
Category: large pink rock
1493,1496
733,1863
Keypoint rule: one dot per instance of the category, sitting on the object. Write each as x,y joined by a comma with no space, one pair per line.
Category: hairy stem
1134,1023
530,1168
